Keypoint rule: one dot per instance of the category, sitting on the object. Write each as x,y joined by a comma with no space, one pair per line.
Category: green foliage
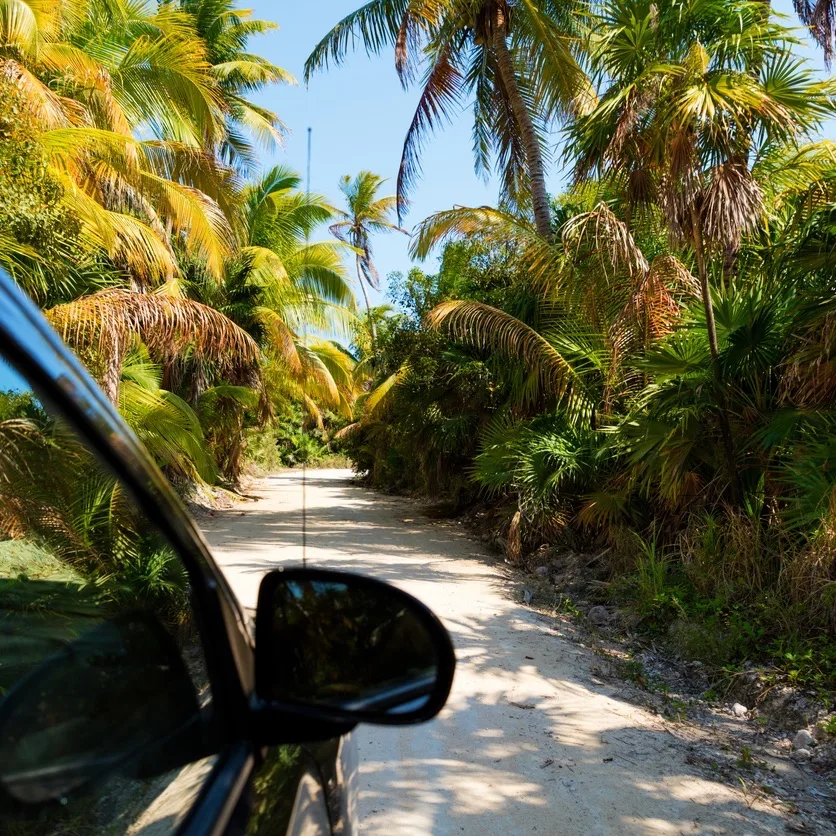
39,233
58,498
15,404
289,441
165,423
578,385
127,132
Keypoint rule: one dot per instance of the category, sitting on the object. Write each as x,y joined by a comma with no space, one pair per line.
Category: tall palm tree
681,119
366,214
93,78
512,58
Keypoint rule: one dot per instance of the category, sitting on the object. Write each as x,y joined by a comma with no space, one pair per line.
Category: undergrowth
725,594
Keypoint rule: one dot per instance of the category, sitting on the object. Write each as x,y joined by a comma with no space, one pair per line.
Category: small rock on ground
802,740
599,616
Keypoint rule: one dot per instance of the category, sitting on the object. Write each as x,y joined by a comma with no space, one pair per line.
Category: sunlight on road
527,743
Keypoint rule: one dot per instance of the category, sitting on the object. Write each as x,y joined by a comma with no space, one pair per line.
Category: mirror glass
357,646
117,698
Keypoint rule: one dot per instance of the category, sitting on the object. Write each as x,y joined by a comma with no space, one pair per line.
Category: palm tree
820,19
514,60
278,284
599,302
90,83
96,77
226,30
102,327
680,120
125,65
366,213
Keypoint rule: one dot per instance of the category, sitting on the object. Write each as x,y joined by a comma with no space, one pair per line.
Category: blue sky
359,114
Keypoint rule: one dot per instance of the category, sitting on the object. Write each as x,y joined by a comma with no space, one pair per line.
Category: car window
103,687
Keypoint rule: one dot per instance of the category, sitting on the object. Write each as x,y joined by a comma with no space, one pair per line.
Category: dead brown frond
655,304
513,548
347,432
15,434
731,205
810,380
107,321
819,18
641,187
46,107
600,234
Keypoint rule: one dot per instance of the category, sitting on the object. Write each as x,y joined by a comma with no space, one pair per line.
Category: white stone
802,740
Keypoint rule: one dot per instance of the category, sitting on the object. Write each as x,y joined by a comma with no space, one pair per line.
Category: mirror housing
337,649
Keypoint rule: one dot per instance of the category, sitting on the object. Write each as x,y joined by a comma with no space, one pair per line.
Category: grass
22,558
716,596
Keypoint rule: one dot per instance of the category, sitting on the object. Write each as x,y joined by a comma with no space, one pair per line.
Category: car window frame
33,349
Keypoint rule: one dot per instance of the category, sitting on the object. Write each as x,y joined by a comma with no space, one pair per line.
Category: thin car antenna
304,336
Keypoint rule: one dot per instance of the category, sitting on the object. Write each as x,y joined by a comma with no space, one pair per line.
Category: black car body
259,771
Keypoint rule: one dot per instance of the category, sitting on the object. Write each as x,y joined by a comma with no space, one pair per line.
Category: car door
108,598
133,698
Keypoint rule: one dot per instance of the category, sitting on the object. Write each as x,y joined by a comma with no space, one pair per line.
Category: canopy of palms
136,123
278,285
226,29
514,62
682,118
97,76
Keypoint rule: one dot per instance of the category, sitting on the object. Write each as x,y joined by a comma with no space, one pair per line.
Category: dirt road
528,742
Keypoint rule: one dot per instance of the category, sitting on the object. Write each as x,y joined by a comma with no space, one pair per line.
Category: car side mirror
345,648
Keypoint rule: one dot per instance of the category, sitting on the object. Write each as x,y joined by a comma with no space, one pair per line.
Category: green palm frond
487,327
167,426
493,227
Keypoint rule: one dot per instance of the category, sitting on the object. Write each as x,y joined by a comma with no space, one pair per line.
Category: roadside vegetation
194,285
643,366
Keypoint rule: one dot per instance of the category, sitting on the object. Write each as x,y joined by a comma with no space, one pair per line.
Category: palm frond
487,327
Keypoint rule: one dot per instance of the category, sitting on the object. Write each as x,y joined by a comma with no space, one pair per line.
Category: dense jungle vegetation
642,364
188,280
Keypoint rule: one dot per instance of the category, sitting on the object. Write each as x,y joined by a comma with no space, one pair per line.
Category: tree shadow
528,742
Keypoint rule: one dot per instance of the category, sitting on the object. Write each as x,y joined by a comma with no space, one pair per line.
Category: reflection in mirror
118,698
358,647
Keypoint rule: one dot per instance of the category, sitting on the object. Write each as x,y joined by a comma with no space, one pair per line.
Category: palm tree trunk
372,326
533,151
714,347
112,371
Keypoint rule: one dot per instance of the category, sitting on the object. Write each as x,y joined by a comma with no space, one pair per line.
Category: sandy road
527,743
